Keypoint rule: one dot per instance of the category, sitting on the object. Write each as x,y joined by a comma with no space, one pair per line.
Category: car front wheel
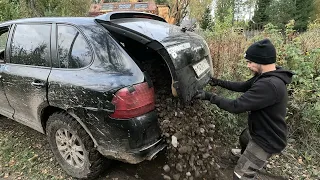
73,147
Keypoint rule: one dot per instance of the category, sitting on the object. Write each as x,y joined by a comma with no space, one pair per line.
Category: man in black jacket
265,98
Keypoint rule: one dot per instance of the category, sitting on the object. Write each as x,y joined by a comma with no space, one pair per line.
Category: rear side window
3,42
73,50
110,56
31,45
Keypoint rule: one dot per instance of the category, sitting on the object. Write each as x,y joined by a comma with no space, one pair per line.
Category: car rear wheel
73,147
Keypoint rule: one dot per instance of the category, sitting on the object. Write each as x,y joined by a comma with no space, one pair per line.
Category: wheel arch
49,110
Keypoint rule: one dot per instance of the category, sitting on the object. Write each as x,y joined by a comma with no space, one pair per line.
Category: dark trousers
244,139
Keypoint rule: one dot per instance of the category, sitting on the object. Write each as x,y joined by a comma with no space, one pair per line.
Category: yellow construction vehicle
99,7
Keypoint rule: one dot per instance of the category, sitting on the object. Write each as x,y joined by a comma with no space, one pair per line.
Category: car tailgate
186,53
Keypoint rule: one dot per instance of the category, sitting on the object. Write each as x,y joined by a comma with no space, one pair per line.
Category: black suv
80,82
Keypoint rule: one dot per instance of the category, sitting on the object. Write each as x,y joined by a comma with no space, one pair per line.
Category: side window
31,45
73,50
3,41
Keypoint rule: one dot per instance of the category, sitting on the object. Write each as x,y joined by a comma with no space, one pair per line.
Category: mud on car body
81,82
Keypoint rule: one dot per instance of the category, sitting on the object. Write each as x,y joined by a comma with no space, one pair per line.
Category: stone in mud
166,177
176,177
166,168
179,167
184,149
206,155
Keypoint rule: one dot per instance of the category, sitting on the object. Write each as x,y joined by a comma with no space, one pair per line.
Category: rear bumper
135,156
188,83
131,140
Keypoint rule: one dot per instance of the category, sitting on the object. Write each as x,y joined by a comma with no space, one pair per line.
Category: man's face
255,68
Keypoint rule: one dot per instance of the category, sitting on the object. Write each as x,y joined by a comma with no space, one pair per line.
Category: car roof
84,20
69,20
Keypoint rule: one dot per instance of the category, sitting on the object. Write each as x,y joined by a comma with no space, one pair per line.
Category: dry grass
310,40
227,52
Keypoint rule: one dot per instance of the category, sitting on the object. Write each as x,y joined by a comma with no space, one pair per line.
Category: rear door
186,54
25,75
5,108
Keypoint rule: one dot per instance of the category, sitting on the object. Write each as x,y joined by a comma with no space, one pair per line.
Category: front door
25,75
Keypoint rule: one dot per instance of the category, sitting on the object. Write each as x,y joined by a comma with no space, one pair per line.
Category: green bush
9,10
14,9
297,52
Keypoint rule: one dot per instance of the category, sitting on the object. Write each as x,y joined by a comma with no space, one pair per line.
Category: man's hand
204,95
214,81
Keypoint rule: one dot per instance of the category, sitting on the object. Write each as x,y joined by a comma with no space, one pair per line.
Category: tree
206,19
303,14
280,12
316,14
9,10
238,9
161,1
223,8
70,8
197,8
39,8
178,10
221,27
260,17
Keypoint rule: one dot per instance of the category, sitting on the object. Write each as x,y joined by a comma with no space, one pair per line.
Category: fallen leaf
6,175
45,171
12,163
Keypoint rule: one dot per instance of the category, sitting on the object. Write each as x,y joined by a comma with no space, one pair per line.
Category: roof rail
128,14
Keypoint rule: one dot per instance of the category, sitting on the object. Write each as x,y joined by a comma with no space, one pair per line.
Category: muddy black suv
86,83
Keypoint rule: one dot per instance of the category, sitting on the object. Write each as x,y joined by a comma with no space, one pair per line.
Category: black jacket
265,98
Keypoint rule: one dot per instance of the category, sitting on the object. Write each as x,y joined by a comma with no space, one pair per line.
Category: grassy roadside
25,154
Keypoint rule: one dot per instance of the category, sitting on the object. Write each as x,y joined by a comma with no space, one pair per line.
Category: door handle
38,84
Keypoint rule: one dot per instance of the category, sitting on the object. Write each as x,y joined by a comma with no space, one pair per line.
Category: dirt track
25,154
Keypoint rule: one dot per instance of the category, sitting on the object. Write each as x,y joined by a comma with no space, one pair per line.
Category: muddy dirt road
25,154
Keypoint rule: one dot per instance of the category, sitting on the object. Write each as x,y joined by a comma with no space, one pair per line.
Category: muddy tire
73,147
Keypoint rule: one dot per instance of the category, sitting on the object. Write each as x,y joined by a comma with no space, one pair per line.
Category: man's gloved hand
204,95
214,81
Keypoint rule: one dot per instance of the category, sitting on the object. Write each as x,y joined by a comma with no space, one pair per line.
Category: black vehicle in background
80,82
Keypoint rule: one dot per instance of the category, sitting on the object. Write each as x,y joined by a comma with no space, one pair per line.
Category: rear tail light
133,101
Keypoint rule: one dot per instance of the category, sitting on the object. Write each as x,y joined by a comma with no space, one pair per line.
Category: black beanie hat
261,52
